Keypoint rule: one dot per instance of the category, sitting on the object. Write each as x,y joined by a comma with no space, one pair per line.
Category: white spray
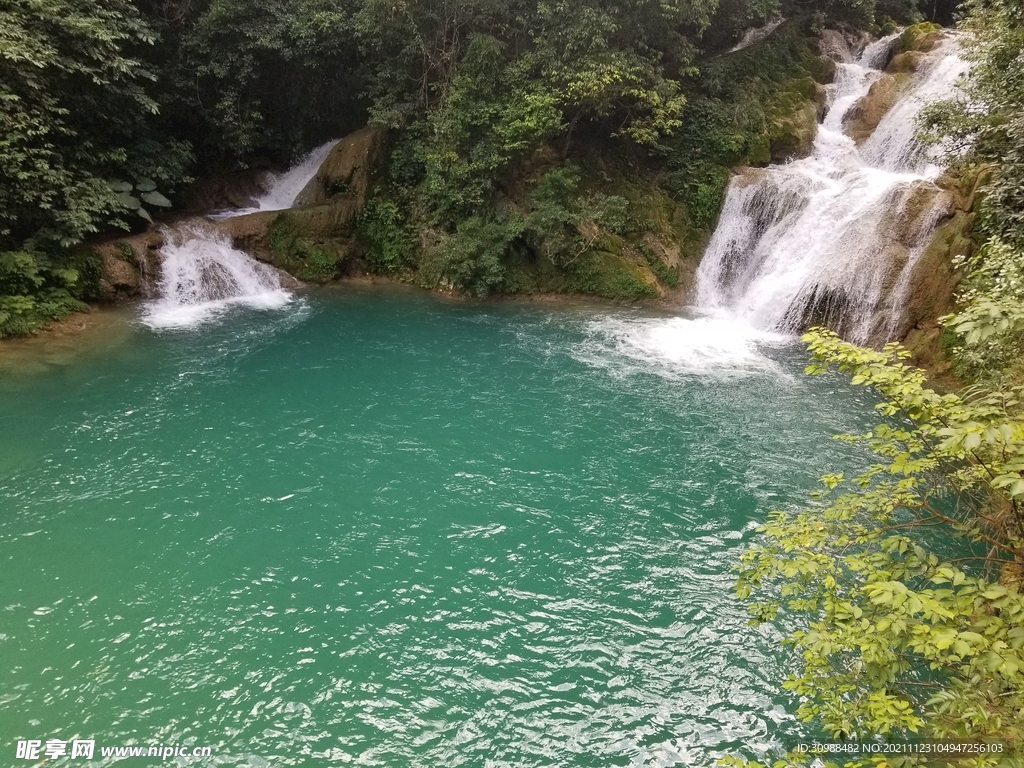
202,275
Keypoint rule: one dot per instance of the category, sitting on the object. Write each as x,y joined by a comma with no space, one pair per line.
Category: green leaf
155,198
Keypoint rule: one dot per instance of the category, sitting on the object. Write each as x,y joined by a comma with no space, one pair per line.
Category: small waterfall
285,187
892,146
756,35
203,274
833,238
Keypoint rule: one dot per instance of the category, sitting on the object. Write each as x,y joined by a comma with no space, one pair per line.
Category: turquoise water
378,528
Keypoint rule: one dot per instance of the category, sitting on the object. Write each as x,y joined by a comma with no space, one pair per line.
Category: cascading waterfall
202,274
755,35
285,187
833,238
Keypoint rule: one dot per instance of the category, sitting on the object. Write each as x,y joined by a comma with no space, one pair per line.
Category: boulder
921,37
833,45
118,277
825,71
792,135
905,63
863,118
128,265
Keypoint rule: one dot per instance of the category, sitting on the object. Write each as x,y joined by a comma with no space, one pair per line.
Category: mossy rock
792,119
921,37
311,261
613,277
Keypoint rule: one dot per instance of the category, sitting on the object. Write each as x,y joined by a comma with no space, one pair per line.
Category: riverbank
62,343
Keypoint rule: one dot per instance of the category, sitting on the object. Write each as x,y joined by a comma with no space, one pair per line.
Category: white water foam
755,35
285,187
893,145
678,346
833,237
203,275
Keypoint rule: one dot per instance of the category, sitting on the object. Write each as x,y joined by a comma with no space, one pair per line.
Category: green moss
920,37
125,252
611,243
308,261
613,277
666,275
792,126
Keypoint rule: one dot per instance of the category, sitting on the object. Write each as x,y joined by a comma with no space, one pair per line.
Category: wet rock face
348,170
905,63
225,191
864,118
129,265
118,278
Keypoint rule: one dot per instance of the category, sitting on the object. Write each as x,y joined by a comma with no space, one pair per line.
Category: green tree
75,102
898,631
263,78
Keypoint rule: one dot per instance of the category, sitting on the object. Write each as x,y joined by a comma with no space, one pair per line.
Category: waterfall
756,35
285,187
202,274
833,238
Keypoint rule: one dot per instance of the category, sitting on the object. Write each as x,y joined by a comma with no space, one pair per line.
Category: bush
386,241
36,289
470,260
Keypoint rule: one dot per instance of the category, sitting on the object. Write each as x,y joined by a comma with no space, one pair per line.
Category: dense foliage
986,127
902,633
107,108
